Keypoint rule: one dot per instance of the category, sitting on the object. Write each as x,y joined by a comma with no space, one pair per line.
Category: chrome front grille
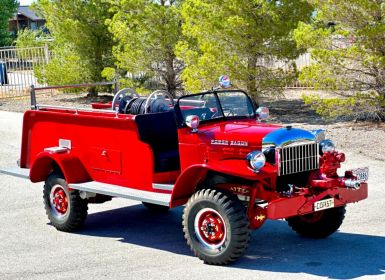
298,157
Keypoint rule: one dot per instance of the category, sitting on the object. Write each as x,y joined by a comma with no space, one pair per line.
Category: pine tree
238,37
347,44
8,9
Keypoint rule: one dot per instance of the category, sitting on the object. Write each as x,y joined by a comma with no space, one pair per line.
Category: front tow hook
352,184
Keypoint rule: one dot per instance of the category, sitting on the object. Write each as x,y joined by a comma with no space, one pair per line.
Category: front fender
187,182
71,167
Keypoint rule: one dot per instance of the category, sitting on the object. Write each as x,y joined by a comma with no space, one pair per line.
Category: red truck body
156,157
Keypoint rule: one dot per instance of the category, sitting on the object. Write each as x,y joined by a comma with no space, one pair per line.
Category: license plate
362,174
324,204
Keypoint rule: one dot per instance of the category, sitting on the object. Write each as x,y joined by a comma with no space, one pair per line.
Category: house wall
23,22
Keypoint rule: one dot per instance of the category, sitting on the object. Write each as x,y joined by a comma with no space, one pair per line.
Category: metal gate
17,69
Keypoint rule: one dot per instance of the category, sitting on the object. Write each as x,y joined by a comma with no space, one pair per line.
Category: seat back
159,130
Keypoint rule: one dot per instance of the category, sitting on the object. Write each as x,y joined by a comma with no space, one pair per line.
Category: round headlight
327,146
256,160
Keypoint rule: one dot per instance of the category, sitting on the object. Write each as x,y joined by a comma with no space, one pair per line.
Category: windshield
215,105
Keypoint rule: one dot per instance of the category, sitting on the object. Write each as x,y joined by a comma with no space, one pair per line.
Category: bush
65,67
358,106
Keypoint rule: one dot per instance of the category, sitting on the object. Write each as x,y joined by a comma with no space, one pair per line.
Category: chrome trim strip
163,187
76,109
16,172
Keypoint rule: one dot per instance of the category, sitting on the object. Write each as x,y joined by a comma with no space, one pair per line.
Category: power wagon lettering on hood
229,143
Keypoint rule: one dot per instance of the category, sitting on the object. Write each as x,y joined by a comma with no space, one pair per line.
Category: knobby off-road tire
65,209
319,224
155,207
216,227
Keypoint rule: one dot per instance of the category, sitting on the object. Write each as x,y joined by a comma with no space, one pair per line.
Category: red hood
246,134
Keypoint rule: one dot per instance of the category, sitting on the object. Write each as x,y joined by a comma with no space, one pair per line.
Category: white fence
17,69
301,62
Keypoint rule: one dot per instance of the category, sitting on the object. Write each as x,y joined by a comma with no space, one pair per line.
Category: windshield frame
181,120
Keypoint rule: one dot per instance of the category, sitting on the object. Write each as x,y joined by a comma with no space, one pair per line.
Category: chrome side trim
76,109
163,187
16,172
124,192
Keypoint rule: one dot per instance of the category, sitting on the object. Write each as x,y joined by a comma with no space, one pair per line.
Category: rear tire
216,227
318,224
65,209
155,207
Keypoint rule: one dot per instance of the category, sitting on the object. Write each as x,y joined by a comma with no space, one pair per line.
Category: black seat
159,130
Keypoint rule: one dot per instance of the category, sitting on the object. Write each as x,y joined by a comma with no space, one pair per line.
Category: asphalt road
122,240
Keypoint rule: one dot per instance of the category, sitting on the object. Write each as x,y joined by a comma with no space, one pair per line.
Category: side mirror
262,113
192,122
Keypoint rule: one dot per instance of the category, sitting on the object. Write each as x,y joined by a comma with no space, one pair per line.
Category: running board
118,191
16,172
107,189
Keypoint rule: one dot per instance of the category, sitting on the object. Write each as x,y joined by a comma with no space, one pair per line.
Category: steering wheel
230,112
121,94
155,95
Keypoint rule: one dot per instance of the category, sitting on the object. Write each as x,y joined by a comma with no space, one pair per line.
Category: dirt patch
364,138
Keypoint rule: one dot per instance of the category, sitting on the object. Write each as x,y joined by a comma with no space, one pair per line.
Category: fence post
33,98
116,85
46,54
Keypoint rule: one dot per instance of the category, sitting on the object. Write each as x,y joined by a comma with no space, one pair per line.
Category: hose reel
156,102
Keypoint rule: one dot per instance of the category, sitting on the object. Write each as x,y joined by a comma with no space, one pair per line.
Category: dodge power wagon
212,152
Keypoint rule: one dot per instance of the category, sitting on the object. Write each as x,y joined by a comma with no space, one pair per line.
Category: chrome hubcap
59,200
210,228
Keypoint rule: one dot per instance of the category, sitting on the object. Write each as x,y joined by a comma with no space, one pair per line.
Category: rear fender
188,181
71,167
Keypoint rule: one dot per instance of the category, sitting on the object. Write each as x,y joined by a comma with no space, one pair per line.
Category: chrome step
16,171
118,191
163,187
107,189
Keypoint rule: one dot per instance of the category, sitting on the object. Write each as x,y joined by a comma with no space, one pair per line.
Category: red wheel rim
59,201
210,228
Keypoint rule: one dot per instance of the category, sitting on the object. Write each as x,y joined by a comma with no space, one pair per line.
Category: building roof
27,12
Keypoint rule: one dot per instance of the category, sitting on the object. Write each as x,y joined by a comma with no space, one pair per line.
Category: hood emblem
229,143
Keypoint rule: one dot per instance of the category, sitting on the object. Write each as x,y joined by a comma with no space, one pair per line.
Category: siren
224,81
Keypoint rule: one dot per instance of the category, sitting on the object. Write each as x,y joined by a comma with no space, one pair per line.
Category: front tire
216,227
65,209
318,224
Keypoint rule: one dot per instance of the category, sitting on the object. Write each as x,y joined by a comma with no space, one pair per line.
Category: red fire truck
212,152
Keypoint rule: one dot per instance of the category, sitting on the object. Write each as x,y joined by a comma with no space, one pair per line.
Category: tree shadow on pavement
275,247
137,225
